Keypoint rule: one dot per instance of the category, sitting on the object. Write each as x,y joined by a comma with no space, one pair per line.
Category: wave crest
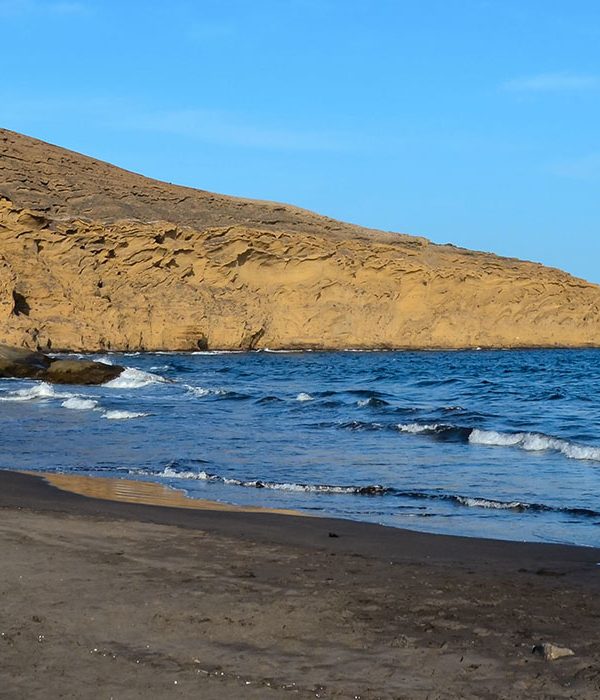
132,378
123,415
79,404
530,442
534,442
43,390
368,490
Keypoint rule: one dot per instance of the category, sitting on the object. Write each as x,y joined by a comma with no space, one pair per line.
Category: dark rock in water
9,368
81,372
23,357
20,363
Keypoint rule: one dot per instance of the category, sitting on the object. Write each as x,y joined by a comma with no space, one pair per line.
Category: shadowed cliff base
94,257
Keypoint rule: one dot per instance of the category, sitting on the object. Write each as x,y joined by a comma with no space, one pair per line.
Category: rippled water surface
496,444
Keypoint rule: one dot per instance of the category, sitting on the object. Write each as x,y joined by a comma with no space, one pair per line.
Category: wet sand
105,599
146,493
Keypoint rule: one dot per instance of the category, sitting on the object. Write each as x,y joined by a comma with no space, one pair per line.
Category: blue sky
475,122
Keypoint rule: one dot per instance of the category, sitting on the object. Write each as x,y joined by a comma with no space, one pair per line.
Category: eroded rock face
94,258
25,364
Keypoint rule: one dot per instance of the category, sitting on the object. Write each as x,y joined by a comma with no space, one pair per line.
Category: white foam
201,391
492,437
43,390
216,352
416,428
534,442
170,473
123,415
484,503
303,396
132,378
79,404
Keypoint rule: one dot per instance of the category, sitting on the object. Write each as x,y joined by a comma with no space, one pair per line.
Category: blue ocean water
501,444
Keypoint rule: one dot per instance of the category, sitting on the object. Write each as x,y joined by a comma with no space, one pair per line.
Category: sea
495,444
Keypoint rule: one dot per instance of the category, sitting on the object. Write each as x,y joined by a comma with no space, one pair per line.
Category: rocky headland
95,258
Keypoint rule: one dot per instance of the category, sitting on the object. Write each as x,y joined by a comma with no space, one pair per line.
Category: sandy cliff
94,257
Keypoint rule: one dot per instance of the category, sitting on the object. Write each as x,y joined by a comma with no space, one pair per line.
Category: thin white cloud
553,82
218,127
17,8
211,31
68,8
13,7
226,129
585,167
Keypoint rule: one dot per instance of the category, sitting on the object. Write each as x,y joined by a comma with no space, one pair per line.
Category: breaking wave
438,431
216,352
531,442
79,404
535,442
171,472
417,428
123,415
369,490
43,390
132,378
493,504
202,392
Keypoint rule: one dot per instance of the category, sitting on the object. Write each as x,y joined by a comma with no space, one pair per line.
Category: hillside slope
94,257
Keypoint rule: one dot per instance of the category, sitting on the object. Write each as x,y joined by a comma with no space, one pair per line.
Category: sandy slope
95,257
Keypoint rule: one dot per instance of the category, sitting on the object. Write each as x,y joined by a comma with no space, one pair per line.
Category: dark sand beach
105,599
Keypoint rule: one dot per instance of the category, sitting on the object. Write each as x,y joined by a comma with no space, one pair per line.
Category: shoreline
156,495
163,505
102,598
329,350
35,490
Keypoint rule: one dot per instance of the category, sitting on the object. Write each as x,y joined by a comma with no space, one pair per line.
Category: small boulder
19,363
22,360
551,652
81,372
15,370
